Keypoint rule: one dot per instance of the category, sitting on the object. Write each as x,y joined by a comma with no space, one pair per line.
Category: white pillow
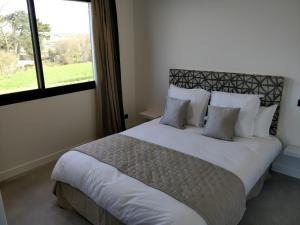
198,103
263,121
248,104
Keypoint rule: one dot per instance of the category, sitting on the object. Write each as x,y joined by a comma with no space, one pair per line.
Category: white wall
257,36
41,129
33,133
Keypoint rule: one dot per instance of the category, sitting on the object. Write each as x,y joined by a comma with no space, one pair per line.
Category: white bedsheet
134,202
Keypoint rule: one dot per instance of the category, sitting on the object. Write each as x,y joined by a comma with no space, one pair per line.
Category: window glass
66,46
17,69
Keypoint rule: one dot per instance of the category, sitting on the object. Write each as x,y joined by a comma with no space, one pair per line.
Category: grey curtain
110,113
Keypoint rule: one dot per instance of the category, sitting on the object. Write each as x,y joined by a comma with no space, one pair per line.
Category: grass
55,75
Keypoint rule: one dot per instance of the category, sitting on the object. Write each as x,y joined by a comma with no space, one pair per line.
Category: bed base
72,199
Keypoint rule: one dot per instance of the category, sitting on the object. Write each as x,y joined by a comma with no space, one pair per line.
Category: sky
63,16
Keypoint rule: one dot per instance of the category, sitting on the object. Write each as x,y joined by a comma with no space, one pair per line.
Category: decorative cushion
175,112
221,122
248,104
263,121
198,103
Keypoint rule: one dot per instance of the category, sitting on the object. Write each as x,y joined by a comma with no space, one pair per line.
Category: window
45,49
66,46
17,71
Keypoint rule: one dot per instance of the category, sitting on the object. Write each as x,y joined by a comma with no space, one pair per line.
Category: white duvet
135,203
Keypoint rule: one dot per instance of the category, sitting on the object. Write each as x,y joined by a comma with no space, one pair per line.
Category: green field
55,75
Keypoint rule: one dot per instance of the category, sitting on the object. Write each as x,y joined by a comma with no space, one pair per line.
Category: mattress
136,203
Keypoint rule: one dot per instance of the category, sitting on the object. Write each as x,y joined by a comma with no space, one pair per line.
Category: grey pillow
175,112
221,122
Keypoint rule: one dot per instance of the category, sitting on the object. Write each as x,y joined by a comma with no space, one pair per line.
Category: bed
104,195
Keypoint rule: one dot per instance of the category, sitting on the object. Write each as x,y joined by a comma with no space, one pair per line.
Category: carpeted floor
28,200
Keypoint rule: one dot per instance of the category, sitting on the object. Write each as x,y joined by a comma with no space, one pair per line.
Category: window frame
42,91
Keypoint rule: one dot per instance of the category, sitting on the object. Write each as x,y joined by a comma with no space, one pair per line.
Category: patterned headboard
269,87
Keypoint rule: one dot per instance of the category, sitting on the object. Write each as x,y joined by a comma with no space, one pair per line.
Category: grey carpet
29,201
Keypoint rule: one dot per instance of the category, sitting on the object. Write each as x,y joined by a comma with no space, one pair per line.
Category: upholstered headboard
269,87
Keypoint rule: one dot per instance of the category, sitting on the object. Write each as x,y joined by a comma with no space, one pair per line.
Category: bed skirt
255,191
72,199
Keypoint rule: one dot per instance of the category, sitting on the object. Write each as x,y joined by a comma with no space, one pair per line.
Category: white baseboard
292,172
287,165
15,171
25,167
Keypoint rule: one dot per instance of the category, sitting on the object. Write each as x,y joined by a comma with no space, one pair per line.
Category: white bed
136,203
